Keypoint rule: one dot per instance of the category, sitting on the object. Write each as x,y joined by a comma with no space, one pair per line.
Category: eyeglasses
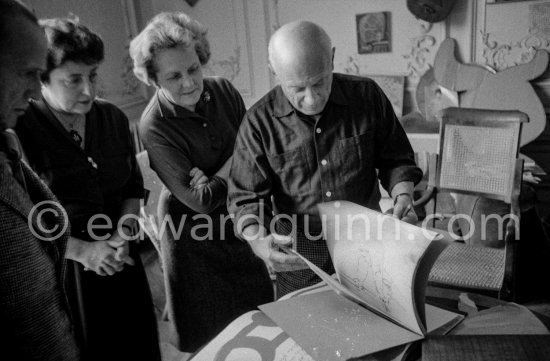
77,81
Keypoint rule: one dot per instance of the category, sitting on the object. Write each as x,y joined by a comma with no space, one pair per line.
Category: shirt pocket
292,171
357,155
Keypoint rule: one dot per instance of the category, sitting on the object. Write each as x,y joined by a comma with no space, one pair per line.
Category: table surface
254,336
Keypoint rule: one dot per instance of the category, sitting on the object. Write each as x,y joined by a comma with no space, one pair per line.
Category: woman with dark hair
82,148
189,130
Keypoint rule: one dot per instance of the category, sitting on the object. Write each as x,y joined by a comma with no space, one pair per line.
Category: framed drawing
373,32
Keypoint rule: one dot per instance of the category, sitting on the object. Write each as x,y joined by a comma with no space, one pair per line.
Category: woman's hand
122,249
198,179
96,256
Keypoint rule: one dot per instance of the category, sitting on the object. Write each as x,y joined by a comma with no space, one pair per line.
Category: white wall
239,31
115,22
414,42
262,17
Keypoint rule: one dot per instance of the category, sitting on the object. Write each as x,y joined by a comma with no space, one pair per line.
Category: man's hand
267,248
404,210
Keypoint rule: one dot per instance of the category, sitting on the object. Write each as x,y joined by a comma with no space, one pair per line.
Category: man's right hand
267,248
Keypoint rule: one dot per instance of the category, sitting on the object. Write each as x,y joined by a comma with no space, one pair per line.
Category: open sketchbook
382,267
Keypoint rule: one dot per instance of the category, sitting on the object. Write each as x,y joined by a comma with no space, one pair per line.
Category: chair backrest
153,187
478,151
151,182
478,156
136,140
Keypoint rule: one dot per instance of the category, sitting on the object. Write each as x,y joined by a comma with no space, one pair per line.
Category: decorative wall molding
418,59
133,90
351,66
422,50
116,23
276,23
229,68
236,60
272,24
245,45
502,56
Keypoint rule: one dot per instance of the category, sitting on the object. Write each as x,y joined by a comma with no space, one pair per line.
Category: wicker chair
478,156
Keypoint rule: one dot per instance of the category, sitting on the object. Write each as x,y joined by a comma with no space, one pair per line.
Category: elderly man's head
301,57
22,60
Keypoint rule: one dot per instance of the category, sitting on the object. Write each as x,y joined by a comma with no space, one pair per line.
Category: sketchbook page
330,327
376,256
422,274
328,279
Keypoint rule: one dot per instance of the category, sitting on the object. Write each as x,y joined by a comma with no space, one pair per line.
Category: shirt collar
283,107
171,110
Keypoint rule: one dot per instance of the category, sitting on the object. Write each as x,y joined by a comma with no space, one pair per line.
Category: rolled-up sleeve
394,154
250,188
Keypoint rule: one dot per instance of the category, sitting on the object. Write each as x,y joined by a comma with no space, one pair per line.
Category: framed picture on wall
393,87
373,32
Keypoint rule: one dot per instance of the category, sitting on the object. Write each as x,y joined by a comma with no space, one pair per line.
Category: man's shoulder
264,106
354,88
353,80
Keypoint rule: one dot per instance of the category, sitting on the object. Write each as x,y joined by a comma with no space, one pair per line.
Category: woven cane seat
459,266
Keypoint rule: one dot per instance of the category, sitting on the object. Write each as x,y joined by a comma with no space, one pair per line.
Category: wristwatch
401,194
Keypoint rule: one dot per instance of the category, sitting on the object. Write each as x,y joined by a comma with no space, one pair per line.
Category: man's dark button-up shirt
301,162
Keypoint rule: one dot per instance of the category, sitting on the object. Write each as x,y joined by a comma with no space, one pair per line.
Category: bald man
318,136
34,320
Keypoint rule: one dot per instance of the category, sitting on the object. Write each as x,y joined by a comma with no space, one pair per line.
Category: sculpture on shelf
432,11
483,87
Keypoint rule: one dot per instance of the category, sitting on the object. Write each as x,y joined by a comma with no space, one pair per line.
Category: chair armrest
425,197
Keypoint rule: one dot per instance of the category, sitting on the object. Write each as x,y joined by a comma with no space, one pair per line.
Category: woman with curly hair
82,148
189,130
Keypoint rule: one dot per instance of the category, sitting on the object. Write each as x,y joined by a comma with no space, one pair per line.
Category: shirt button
204,125
324,162
328,194
318,130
